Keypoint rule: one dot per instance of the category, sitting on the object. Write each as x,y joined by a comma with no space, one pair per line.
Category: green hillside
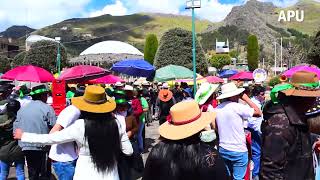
130,28
311,21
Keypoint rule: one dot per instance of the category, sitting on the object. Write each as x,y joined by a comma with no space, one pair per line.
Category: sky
41,13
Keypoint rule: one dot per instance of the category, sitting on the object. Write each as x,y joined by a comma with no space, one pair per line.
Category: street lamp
58,54
192,4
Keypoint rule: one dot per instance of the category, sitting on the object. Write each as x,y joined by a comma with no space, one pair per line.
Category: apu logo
291,14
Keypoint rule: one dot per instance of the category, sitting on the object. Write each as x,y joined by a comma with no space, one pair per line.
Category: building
222,47
8,48
106,53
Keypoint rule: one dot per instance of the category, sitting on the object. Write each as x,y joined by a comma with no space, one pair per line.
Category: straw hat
145,83
165,95
118,84
229,90
128,88
305,84
165,86
185,120
94,100
204,92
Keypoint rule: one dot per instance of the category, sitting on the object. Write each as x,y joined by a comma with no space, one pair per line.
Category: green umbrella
172,72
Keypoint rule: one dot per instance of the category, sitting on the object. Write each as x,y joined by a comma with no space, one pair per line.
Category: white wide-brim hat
204,92
229,90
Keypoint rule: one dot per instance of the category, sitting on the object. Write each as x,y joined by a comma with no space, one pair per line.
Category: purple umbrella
291,71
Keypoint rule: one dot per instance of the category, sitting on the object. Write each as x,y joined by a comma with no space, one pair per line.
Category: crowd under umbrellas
187,120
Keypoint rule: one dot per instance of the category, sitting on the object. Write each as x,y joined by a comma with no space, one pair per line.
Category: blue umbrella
227,73
140,68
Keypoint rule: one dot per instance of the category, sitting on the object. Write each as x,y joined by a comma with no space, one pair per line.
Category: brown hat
94,100
305,84
185,120
165,95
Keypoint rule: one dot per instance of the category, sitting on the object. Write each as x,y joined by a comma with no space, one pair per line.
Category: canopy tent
173,72
140,68
83,73
291,71
28,73
111,47
227,73
242,76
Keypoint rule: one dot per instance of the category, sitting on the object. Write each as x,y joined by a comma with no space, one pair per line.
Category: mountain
16,32
311,21
130,28
261,19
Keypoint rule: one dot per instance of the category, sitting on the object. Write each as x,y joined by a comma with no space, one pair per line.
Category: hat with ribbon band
94,100
205,91
39,90
302,83
185,120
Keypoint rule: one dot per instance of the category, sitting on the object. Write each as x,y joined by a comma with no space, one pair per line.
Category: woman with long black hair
98,135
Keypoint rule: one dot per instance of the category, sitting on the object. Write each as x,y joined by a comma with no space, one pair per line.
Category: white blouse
85,168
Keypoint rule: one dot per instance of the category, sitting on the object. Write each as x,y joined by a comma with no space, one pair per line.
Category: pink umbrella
291,71
214,79
108,79
83,73
29,73
242,76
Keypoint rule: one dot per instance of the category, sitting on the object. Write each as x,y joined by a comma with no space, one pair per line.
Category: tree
18,60
176,48
253,52
314,53
220,60
5,64
150,47
44,54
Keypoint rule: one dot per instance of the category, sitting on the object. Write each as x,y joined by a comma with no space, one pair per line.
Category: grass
311,21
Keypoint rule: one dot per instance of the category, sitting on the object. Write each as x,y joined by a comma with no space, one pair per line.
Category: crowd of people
217,132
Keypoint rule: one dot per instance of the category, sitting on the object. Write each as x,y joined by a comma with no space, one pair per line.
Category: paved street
152,136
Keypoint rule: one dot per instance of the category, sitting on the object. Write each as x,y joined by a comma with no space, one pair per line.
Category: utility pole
58,55
281,62
275,58
192,4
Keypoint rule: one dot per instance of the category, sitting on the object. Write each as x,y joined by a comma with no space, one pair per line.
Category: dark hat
13,105
23,90
41,89
6,87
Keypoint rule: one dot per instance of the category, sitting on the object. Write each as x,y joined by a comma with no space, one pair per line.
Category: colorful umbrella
83,73
291,71
242,76
140,68
108,79
29,73
173,72
214,79
227,73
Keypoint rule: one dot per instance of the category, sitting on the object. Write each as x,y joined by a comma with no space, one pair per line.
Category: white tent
111,47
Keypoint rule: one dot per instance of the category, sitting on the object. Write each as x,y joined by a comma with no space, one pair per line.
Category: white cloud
281,3
38,13
116,9
214,11
154,6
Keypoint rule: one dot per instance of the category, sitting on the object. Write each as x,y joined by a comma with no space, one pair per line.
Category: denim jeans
140,136
5,170
64,170
256,151
236,163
